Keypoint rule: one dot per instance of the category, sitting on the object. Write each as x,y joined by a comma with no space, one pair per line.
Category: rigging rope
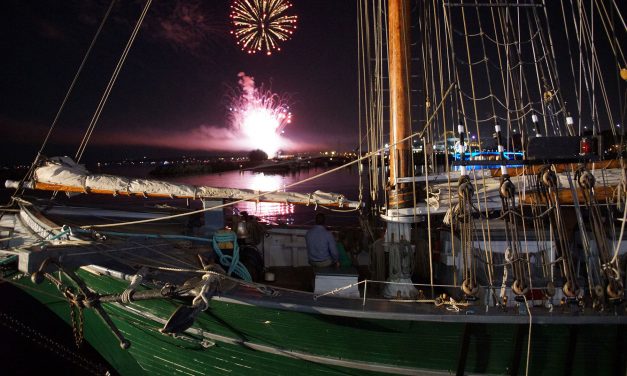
547,186
114,76
599,262
31,169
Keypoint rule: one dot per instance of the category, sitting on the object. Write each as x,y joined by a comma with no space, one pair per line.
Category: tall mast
400,127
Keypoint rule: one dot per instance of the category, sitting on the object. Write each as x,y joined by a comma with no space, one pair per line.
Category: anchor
203,288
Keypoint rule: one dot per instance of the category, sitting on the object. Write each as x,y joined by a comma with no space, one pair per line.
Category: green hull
239,339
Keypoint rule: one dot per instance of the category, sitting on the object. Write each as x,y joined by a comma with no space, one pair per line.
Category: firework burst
259,115
259,25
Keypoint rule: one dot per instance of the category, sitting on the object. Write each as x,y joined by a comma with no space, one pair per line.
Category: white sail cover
64,172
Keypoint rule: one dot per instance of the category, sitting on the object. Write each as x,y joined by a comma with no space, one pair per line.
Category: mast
400,127
398,233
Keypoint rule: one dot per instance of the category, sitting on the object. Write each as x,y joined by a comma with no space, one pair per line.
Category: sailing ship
495,270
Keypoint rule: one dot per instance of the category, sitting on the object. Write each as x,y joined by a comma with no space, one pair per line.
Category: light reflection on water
265,183
270,211
344,181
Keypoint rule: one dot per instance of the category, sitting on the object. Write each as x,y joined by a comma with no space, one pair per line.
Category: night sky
172,95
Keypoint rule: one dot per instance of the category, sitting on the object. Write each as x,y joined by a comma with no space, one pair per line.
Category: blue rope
231,261
65,230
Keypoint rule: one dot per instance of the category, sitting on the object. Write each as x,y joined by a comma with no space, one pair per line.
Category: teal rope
232,261
66,230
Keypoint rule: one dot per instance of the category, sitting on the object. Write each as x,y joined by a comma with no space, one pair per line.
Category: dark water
33,341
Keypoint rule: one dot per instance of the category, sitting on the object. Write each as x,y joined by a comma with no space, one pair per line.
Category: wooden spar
561,167
398,55
565,196
67,188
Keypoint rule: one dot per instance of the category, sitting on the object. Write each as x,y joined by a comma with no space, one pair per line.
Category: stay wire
114,76
31,169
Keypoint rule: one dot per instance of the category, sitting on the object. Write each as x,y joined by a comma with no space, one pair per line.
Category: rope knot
136,280
201,300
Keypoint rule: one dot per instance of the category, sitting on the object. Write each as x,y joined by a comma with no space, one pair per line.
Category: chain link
76,314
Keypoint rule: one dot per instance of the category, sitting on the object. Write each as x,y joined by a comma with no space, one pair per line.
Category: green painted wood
424,345
153,353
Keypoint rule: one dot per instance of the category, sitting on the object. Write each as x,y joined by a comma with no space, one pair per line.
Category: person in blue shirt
321,248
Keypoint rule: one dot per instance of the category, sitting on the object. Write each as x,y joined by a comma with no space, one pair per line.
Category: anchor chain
76,307
83,298
76,315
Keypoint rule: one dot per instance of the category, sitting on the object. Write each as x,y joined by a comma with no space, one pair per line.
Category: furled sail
63,174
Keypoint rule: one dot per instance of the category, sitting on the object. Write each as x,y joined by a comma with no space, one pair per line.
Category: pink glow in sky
207,138
202,138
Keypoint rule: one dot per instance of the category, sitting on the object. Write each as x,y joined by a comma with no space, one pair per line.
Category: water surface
344,181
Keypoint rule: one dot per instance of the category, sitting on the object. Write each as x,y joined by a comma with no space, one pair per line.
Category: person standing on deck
321,248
